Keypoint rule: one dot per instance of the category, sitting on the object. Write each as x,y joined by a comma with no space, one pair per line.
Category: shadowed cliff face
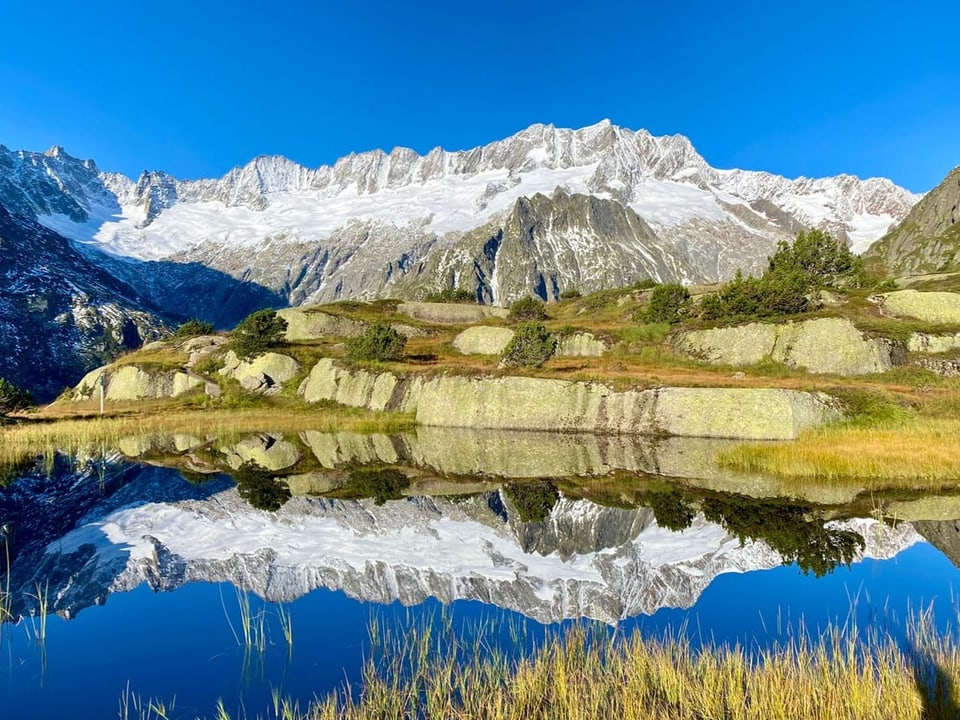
60,314
113,526
943,535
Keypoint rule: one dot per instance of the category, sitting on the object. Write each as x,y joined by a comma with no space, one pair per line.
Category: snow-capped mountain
611,206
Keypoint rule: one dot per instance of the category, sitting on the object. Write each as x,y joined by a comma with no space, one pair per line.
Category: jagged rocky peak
154,192
51,183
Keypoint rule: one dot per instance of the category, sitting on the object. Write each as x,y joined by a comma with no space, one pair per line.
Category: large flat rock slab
934,307
831,346
522,403
451,313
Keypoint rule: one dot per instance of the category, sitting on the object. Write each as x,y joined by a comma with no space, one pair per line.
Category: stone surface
314,483
451,313
927,240
306,323
360,388
933,344
821,346
482,340
333,450
934,307
745,413
521,403
268,450
264,374
200,347
580,344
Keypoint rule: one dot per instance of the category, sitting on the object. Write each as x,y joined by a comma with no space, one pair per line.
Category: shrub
531,346
378,342
669,303
259,488
258,332
670,509
795,531
379,484
644,284
816,260
452,295
194,327
750,297
13,398
527,309
533,500
570,294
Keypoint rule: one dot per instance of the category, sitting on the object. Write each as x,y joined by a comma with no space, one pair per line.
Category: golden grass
921,453
59,430
586,675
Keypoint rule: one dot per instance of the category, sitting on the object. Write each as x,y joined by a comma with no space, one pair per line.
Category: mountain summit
541,211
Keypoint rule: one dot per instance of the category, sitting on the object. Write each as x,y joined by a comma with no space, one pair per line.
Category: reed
589,675
286,625
134,707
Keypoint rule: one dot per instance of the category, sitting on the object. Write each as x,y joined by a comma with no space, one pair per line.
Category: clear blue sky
195,88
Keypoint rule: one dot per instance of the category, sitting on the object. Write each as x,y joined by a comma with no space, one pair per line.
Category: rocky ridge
927,240
541,211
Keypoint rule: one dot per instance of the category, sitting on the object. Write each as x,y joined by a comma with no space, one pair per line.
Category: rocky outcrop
822,346
933,344
264,374
360,388
933,307
203,346
61,314
580,344
941,366
520,403
451,313
312,323
483,340
131,382
943,535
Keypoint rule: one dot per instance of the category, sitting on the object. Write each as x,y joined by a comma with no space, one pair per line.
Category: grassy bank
71,430
922,453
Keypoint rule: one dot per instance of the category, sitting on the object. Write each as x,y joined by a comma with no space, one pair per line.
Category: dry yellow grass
586,676
922,453
65,428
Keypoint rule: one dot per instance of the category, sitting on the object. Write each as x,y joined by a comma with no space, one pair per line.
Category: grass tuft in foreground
585,674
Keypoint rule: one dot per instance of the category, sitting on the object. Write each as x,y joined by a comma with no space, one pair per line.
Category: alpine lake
184,577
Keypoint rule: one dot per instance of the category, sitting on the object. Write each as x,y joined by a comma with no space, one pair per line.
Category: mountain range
543,211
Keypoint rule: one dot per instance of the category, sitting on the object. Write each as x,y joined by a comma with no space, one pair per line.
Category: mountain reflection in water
439,514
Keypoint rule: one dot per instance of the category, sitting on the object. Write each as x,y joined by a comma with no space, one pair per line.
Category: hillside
928,238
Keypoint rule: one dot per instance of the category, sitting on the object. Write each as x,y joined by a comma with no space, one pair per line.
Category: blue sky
195,88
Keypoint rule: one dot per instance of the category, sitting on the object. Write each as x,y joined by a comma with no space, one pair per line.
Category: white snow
439,195
866,229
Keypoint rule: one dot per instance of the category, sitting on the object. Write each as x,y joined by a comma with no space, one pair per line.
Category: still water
178,569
